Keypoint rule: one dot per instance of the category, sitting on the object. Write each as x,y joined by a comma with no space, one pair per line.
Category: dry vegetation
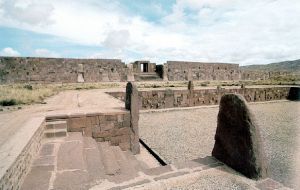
15,94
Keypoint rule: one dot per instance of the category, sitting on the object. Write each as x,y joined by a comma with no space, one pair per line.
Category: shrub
28,86
9,102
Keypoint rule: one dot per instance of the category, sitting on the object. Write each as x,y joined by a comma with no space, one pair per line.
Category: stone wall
113,127
19,152
262,75
160,99
46,70
180,71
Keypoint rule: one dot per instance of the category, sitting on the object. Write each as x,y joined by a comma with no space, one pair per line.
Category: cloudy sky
235,31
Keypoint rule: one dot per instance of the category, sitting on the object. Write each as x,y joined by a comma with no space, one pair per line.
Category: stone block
107,126
75,124
237,140
75,180
70,156
158,170
167,176
38,178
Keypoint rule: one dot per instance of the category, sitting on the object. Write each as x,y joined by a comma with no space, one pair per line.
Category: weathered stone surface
72,180
237,140
38,178
132,104
70,156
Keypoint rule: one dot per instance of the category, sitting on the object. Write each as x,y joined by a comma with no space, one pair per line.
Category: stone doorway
144,67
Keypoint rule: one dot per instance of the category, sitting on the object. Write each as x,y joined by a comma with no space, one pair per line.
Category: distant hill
292,66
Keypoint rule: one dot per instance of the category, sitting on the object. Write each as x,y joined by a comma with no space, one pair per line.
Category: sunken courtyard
104,124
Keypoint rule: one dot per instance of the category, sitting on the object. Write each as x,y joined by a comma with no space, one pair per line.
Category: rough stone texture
160,99
22,69
181,70
237,141
132,104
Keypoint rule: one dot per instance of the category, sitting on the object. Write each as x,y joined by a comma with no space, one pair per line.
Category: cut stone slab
47,149
158,170
49,133
44,161
38,178
94,165
70,156
237,141
108,158
56,125
127,170
71,180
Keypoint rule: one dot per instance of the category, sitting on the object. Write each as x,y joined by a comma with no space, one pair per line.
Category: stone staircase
56,128
147,77
71,161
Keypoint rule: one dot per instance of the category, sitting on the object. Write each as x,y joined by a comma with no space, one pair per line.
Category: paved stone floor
189,134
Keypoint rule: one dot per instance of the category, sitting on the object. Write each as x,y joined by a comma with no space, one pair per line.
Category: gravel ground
189,134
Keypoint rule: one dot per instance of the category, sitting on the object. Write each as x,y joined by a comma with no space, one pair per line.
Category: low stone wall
160,99
18,153
185,98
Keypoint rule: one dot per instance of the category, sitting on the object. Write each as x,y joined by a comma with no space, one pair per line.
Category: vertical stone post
132,104
165,72
130,76
191,93
80,73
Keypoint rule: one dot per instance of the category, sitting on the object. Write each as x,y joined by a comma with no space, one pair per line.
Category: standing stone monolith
191,93
238,142
132,104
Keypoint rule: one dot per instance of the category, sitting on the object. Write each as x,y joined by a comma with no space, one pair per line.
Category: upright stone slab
130,75
191,93
237,141
132,104
165,72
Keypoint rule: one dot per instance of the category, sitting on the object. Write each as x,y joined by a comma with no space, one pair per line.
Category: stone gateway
237,141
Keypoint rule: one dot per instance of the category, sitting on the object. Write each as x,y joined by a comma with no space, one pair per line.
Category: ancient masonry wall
112,127
180,71
160,99
18,156
45,70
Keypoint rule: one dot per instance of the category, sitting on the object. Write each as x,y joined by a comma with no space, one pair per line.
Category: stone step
49,133
138,166
93,159
60,124
127,168
110,163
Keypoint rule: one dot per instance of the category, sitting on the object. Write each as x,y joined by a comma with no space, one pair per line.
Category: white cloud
45,53
117,39
34,12
245,32
8,51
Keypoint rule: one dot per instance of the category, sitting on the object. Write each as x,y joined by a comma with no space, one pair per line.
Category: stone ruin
61,70
237,141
